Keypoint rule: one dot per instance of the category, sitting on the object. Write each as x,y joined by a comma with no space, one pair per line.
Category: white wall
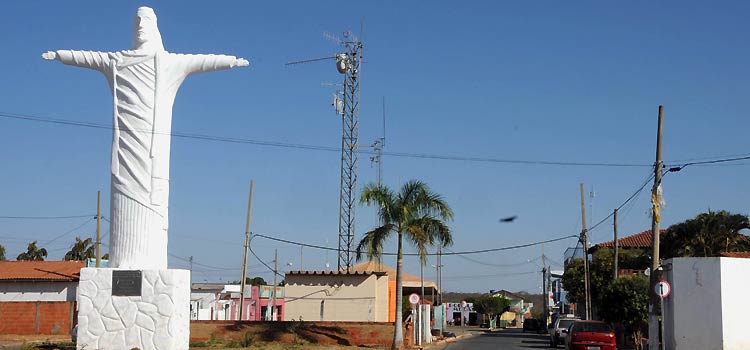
38,291
708,305
201,302
734,299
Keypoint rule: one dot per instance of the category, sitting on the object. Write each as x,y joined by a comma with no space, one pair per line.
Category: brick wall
40,317
341,333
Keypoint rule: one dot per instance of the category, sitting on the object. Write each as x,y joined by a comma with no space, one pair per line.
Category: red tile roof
41,270
638,240
745,255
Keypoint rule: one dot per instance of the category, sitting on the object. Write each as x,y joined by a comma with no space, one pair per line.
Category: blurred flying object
509,219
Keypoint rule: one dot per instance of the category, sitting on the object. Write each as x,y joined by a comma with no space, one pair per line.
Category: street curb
443,341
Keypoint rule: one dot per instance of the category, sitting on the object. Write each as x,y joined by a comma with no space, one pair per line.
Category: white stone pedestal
158,319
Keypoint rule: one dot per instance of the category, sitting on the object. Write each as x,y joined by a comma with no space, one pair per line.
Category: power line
67,232
453,278
428,254
47,217
28,117
317,147
496,265
623,203
264,263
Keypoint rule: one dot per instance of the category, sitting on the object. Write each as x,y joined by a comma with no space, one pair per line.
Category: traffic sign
414,298
662,289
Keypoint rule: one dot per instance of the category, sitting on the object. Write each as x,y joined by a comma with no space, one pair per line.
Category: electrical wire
496,265
454,278
428,254
28,117
622,205
264,263
318,148
67,232
46,217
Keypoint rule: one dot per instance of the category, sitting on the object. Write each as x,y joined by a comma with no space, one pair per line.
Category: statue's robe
144,85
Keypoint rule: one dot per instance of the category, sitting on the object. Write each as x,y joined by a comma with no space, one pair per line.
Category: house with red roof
640,240
38,297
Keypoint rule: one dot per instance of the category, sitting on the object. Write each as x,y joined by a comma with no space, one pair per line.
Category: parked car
532,325
559,330
590,335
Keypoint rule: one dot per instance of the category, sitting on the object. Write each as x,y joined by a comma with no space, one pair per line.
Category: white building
212,301
707,306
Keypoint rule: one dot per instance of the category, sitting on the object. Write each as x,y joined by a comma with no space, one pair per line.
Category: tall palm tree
81,250
33,253
707,234
415,213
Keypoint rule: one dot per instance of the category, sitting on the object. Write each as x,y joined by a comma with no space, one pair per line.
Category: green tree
2,253
33,253
625,301
81,250
600,273
489,305
414,213
707,234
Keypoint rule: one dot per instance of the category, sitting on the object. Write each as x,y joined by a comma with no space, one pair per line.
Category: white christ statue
144,82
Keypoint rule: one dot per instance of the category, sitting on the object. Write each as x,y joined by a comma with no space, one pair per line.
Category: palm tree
708,234
415,213
33,253
2,253
81,250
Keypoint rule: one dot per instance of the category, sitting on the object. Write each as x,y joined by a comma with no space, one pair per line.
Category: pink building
257,301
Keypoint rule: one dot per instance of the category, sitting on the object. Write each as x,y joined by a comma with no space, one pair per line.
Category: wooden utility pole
616,259
244,258
653,315
584,240
98,249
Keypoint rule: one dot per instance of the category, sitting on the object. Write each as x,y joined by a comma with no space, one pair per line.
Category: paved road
505,339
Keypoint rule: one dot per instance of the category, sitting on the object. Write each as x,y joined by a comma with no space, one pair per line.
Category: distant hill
454,297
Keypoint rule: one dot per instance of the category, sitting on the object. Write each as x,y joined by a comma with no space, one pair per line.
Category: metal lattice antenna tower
346,104
348,64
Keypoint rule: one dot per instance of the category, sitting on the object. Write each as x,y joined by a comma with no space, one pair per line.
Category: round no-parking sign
662,289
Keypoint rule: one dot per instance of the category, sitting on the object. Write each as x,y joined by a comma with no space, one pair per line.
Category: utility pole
545,307
275,272
616,259
584,240
98,229
190,259
244,257
439,272
545,301
653,316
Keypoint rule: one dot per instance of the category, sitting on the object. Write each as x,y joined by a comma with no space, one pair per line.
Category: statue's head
146,36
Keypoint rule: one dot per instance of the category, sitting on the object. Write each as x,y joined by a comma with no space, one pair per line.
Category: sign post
662,289
416,317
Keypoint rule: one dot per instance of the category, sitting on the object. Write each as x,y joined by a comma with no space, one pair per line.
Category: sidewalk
13,342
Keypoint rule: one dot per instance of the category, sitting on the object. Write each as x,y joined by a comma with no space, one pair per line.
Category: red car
590,335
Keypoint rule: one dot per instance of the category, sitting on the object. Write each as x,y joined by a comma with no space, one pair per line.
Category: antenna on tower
346,104
378,146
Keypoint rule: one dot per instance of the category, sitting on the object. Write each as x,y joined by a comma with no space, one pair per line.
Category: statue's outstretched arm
208,63
86,59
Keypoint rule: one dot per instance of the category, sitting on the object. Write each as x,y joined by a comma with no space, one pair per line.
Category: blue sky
543,80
